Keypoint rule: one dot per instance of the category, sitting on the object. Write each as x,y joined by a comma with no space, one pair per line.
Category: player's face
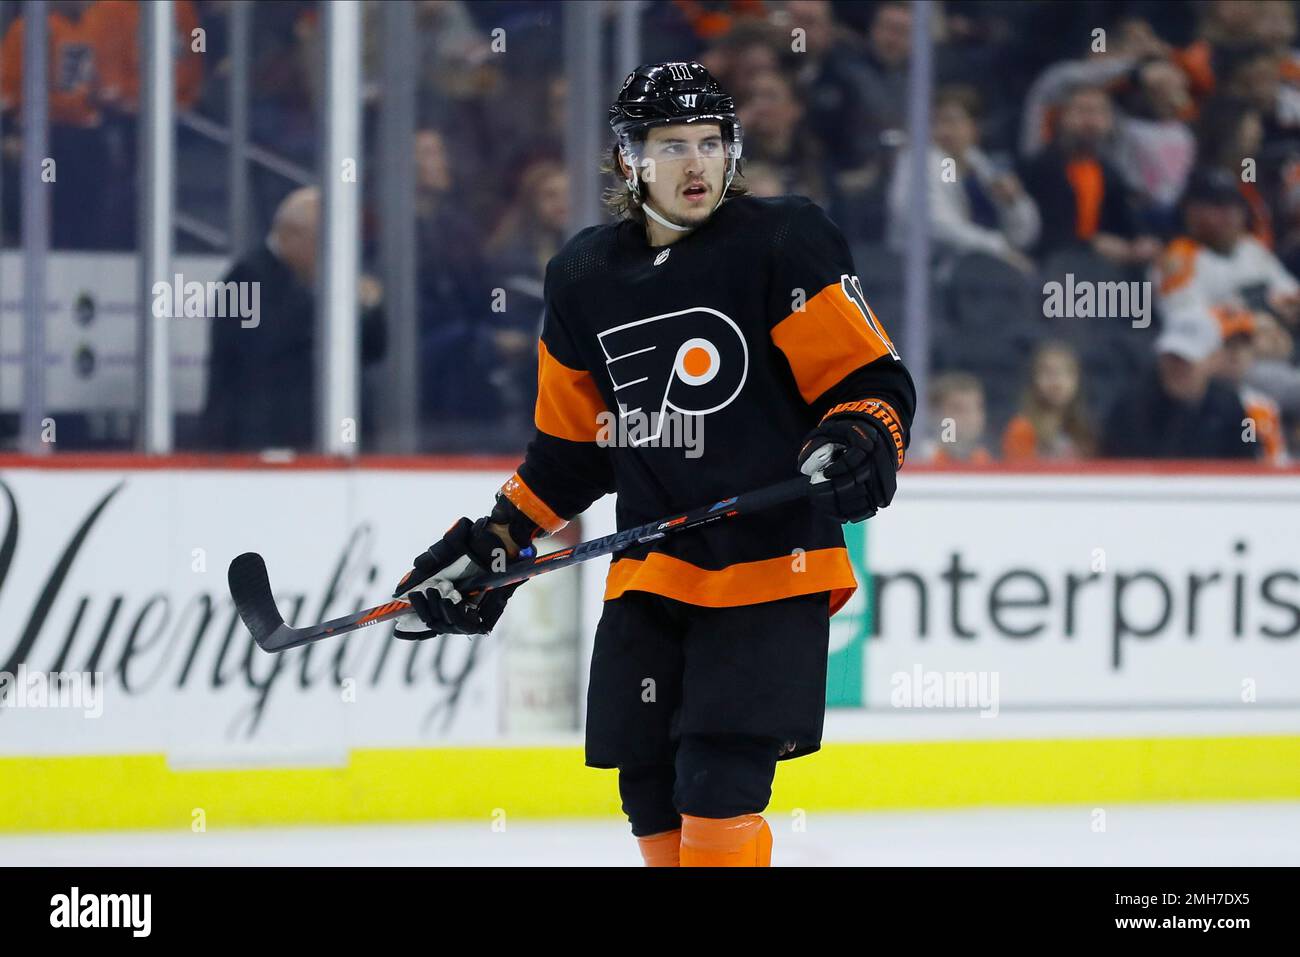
683,168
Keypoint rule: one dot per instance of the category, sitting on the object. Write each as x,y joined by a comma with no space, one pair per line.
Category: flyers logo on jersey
694,362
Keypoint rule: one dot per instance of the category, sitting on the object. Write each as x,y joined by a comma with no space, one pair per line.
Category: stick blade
250,587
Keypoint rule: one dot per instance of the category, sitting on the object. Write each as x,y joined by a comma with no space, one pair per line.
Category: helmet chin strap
634,187
662,221
650,211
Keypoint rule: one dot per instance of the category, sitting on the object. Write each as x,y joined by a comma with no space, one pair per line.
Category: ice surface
1134,835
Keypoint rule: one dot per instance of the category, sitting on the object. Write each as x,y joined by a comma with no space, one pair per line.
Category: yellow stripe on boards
385,785
950,774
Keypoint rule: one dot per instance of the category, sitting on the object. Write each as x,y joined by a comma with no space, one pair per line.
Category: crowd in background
1074,146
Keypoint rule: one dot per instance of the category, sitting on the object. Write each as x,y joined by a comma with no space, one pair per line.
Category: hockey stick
251,588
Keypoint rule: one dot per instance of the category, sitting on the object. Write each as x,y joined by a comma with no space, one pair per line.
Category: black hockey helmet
659,93
656,94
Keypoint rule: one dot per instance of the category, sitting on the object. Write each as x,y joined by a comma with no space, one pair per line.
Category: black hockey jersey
742,335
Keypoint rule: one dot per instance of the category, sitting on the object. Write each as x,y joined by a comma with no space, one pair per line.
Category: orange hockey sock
744,841
661,850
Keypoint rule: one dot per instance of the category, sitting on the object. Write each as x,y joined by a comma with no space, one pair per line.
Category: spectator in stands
1217,264
1255,74
531,231
455,295
974,206
262,379
750,49
762,179
1178,410
1217,270
1053,421
855,96
1254,79
1225,25
1111,69
1156,149
957,409
113,27
994,49
772,119
1288,244
76,131
533,228
1243,342
1229,135
1081,196
1151,143
463,94
716,18
889,48
834,85
94,98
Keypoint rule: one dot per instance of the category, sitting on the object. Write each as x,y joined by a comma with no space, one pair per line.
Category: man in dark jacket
1081,196
1177,410
262,378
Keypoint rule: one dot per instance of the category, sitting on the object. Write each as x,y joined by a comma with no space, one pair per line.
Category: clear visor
679,145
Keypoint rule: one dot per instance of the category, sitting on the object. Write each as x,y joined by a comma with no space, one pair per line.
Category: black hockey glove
468,549
862,478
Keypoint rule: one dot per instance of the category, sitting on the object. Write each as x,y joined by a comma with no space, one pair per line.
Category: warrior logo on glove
467,550
863,476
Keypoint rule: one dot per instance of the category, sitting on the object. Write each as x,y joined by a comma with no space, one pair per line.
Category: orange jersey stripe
1089,188
747,583
527,501
567,400
827,340
1177,264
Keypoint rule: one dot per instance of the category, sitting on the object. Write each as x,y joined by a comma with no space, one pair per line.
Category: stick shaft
283,637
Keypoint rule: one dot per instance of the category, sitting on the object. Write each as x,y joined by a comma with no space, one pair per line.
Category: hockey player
709,662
